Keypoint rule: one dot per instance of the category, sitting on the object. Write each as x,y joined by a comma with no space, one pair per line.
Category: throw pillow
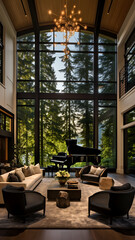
20,174
36,168
12,178
93,170
32,169
125,186
98,171
26,172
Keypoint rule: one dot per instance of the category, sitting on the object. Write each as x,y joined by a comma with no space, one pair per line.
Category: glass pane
26,66
107,133
28,102
107,87
45,47
61,120
26,86
86,37
129,117
105,39
59,37
2,121
76,73
25,46
130,149
131,73
46,36
30,37
26,132
74,47
8,124
107,103
106,71
66,87
106,48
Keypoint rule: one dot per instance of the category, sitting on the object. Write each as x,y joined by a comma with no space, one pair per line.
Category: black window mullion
95,139
37,97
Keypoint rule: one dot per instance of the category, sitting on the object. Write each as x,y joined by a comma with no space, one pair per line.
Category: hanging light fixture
68,24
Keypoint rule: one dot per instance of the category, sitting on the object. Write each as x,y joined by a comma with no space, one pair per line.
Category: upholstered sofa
92,173
28,182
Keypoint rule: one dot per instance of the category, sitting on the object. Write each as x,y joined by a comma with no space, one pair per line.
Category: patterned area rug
73,217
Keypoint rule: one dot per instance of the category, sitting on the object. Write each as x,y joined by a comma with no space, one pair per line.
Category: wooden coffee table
54,188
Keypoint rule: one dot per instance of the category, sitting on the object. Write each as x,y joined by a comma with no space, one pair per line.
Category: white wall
128,100
8,88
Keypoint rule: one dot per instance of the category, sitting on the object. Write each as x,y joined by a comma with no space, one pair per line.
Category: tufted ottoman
106,183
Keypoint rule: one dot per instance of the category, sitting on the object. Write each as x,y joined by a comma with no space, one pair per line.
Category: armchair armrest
104,173
84,170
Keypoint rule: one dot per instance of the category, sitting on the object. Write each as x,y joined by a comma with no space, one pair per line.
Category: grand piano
76,154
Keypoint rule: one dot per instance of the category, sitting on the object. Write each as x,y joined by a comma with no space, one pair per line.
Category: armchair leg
44,206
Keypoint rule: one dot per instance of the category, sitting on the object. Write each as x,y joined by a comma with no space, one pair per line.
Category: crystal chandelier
68,24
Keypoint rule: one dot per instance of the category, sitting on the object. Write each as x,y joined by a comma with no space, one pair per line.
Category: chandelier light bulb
80,19
62,12
79,12
50,12
85,27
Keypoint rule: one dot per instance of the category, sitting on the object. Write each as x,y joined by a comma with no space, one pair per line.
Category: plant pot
62,181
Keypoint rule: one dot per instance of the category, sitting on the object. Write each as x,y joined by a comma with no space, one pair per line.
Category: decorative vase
62,181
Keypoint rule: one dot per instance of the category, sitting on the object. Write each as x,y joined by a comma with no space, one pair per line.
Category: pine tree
84,72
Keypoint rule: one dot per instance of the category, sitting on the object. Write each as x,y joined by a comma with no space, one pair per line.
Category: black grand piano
76,154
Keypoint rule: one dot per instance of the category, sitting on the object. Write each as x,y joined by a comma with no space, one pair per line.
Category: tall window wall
130,61
129,141
61,99
1,53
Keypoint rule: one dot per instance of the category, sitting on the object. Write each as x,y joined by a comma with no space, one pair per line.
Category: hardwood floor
58,234
79,234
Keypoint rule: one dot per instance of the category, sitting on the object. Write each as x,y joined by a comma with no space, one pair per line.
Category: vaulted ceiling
93,13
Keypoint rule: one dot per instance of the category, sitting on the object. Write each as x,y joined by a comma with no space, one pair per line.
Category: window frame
1,52
95,96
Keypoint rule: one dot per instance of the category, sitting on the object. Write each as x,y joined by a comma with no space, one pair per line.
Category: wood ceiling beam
33,13
98,18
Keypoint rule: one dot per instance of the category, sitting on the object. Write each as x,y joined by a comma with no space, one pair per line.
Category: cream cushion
20,174
98,171
36,168
32,169
93,170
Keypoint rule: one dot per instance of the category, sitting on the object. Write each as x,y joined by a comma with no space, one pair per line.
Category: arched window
74,98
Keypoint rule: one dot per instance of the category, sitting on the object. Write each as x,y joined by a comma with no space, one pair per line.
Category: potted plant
62,176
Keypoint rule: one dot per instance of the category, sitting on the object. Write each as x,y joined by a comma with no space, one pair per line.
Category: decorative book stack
72,184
